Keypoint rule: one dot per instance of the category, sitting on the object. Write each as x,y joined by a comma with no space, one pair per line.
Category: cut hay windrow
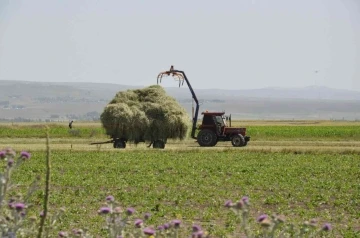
147,114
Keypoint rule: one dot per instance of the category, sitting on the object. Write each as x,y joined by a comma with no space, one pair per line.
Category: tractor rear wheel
206,138
158,144
238,140
121,144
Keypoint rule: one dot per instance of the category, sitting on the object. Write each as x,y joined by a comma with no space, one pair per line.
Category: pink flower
197,234
2,154
262,217
228,203
62,234
19,206
148,231
326,227
147,216
25,155
110,198
130,211
138,223
104,210
245,199
176,223
196,228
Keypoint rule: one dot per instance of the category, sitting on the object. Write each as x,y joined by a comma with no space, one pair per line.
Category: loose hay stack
147,114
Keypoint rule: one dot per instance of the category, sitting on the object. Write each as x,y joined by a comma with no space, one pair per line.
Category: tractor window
208,120
219,120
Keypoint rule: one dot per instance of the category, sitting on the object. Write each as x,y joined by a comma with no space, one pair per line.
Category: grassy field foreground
300,169
193,186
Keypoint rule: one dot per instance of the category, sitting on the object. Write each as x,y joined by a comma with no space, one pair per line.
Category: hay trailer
214,127
120,143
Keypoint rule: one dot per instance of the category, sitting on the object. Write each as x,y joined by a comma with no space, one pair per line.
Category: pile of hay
147,114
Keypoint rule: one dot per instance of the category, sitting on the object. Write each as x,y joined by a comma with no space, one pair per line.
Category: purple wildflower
149,231
22,214
110,198
196,228
228,203
62,234
130,211
104,210
245,199
166,226
262,217
19,206
147,216
2,154
198,234
176,223
42,214
25,155
326,227
138,223
10,162
160,228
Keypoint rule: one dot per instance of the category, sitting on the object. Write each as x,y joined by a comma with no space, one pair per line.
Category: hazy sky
229,44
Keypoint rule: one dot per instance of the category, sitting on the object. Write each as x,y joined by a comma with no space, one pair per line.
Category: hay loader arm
181,76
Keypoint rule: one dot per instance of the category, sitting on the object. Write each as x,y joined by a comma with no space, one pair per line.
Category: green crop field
302,170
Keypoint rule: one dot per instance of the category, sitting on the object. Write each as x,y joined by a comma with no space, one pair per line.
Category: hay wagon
120,142
150,115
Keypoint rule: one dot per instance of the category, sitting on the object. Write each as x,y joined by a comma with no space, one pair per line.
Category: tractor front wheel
238,140
207,138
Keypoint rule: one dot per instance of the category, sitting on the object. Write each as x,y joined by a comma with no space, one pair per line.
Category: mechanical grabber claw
178,75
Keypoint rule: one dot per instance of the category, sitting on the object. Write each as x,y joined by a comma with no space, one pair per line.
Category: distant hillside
311,92
63,101
108,90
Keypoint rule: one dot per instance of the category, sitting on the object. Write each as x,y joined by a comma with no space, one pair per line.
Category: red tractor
214,127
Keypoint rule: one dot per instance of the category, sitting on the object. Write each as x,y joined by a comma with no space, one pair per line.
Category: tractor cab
214,128
215,121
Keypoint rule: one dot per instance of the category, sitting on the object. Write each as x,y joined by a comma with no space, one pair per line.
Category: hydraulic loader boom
182,77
